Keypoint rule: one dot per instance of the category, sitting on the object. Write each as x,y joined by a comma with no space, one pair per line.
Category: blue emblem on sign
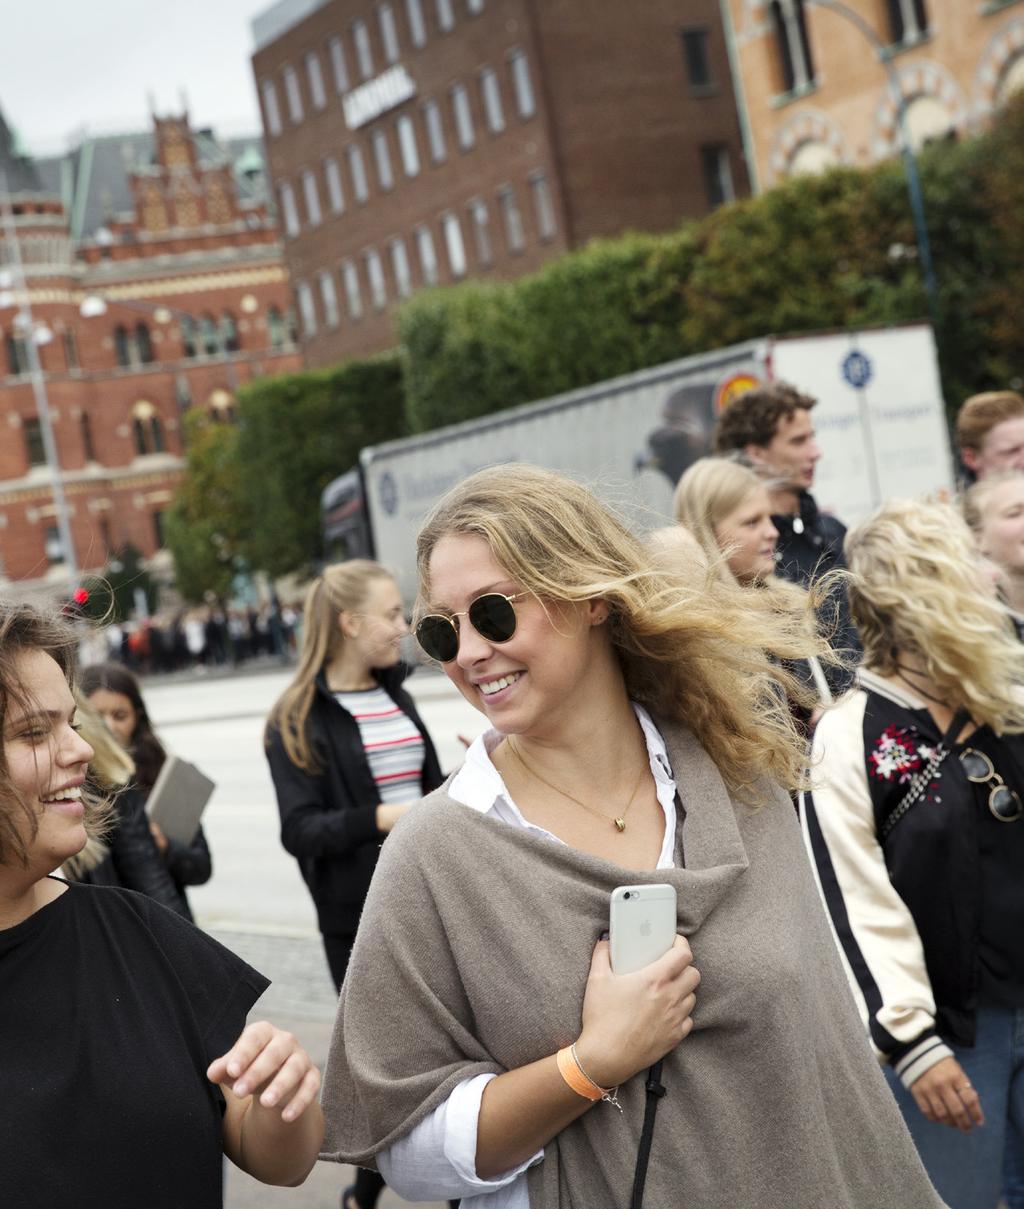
857,369
388,492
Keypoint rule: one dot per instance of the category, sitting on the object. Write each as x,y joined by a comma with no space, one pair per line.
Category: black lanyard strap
655,1090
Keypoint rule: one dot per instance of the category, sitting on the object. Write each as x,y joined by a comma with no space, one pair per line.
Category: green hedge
296,433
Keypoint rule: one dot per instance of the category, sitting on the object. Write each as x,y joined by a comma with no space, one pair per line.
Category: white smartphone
642,925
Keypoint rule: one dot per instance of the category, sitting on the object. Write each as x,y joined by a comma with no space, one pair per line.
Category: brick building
813,94
415,142
153,270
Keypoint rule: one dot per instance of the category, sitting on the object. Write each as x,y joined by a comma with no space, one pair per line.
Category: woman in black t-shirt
125,1067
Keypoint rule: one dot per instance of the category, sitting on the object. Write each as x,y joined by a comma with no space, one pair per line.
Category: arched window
143,343
276,331
147,429
209,335
122,345
794,49
189,337
229,333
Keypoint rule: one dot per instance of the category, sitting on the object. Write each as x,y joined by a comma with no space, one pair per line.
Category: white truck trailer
880,420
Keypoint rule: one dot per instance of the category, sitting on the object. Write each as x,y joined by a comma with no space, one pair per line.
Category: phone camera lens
626,895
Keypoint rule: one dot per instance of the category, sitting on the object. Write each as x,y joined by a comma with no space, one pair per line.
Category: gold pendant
620,824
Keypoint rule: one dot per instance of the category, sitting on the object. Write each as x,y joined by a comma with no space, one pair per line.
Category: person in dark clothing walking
349,755
771,427
115,695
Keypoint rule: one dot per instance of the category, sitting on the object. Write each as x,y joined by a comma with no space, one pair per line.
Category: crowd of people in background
655,709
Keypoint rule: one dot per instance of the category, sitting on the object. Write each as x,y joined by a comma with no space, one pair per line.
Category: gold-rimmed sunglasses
491,615
1003,802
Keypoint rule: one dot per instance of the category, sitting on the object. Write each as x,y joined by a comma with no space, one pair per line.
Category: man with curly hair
771,428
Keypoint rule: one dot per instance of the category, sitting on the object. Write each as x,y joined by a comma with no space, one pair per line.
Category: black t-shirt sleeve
220,987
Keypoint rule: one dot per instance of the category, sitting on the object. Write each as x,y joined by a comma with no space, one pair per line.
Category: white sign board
393,87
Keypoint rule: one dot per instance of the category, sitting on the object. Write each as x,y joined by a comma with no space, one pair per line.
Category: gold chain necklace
618,823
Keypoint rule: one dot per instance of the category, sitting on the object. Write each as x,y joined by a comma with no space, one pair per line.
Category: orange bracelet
571,1071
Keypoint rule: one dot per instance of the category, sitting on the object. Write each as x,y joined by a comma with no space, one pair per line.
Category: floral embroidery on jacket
898,754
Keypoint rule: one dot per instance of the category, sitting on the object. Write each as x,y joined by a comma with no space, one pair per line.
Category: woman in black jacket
349,755
916,824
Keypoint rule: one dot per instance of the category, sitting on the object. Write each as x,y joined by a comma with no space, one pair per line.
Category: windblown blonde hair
690,650
341,588
24,630
915,587
110,770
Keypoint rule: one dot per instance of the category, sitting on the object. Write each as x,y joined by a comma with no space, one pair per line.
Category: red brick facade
578,120
118,382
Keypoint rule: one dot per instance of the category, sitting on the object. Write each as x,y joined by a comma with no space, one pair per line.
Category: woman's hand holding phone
632,1020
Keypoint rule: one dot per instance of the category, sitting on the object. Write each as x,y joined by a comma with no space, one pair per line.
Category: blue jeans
971,1170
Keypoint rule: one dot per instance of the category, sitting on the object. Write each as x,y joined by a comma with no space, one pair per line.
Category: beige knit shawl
472,956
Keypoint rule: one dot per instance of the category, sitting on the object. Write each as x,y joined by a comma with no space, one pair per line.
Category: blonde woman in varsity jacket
915,825
349,755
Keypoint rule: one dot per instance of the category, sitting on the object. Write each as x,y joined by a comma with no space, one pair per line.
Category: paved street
256,902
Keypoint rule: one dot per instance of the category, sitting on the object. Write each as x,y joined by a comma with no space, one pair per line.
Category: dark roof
18,168
93,176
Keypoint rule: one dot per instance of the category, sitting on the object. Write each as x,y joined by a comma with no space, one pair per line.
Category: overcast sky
65,64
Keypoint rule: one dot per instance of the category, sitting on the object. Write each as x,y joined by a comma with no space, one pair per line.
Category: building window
474,6
53,546
339,68
335,193
695,55
435,132
375,276
364,54
357,170
315,78
312,196
521,83
122,346
463,118
491,94
445,14
428,255
382,157
271,110
189,337
35,450
329,299
353,292
789,22
70,349
277,329
209,335
17,354
400,267
512,218
717,169
229,339
417,26
291,91
158,529
407,145
289,210
908,20
388,32
307,309
454,246
85,431
480,221
147,430
543,210
143,344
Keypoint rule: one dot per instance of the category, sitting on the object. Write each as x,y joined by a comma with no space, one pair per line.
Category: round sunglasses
1003,802
491,615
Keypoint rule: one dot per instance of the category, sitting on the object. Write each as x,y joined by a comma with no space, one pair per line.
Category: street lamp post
38,382
882,53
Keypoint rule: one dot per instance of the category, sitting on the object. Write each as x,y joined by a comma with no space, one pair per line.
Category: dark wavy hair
144,747
753,417
23,630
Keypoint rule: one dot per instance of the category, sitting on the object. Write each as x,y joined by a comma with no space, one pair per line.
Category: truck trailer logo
387,492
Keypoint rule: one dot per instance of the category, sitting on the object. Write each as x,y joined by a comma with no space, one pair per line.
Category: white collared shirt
437,1158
